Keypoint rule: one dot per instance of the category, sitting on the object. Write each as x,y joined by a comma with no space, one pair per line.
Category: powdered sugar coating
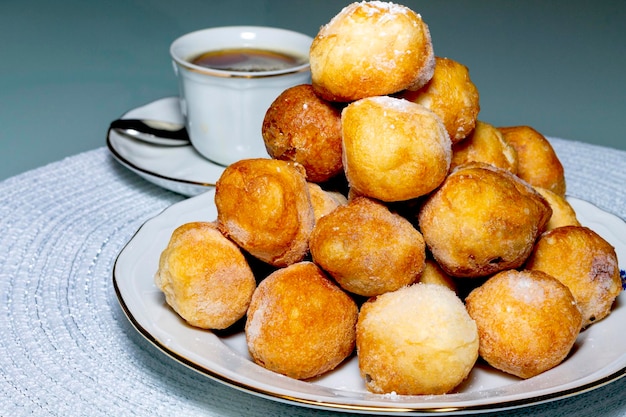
583,261
393,150
300,324
528,321
380,9
371,48
416,340
393,103
524,289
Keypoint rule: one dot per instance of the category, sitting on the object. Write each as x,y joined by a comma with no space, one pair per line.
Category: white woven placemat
66,348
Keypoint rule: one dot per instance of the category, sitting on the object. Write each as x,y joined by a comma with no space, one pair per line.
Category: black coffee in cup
247,60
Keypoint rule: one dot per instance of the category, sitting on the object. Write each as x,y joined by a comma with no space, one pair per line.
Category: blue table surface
67,68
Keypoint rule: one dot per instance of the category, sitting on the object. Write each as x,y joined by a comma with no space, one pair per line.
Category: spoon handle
143,126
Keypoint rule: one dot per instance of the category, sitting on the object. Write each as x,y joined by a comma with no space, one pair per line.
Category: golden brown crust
205,277
324,201
562,212
367,249
370,49
527,321
393,150
301,127
482,220
485,144
416,340
299,323
583,261
433,274
451,95
264,206
538,164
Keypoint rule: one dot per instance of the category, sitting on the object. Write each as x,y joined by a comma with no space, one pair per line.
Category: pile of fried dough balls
392,222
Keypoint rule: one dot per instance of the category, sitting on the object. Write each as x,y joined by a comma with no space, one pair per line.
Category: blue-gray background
68,67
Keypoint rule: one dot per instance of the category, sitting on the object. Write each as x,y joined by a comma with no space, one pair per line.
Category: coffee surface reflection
248,60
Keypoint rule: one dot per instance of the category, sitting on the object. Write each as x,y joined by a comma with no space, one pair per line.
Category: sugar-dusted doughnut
416,340
300,324
563,213
482,220
451,95
299,126
393,149
586,263
366,248
485,144
264,206
433,274
324,201
204,276
371,48
528,321
538,163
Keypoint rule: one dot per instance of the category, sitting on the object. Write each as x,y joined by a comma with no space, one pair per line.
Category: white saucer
180,169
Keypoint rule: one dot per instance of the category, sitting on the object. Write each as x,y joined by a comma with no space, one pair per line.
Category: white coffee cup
224,109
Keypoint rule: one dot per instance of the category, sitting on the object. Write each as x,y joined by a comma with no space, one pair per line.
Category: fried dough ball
324,201
300,323
370,49
433,274
538,164
301,127
562,212
451,95
367,249
264,206
416,340
205,277
583,261
393,150
485,144
482,220
528,321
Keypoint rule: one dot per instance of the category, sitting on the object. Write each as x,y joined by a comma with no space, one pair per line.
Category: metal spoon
152,131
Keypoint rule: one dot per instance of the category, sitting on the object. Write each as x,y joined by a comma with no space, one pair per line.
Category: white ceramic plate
180,169
597,359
